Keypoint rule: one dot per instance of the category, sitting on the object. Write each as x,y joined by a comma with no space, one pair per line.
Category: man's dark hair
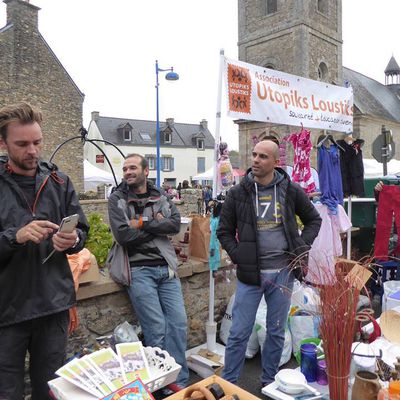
272,138
143,160
23,113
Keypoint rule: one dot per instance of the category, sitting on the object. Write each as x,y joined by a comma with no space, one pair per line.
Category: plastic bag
252,344
125,333
261,320
305,297
303,325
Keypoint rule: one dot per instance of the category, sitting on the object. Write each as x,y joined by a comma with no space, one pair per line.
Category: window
151,161
127,133
322,72
201,165
271,6
200,144
322,6
167,137
167,163
145,136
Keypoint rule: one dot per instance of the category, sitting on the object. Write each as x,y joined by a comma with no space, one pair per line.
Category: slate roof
183,135
373,98
392,67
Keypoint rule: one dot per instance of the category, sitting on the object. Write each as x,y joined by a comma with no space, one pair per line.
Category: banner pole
211,326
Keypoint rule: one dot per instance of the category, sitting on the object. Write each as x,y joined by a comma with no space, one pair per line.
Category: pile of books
104,371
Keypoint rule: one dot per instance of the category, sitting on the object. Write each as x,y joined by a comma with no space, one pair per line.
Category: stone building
30,71
305,38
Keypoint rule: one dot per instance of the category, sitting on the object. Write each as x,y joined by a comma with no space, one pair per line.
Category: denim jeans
277,290
158,302
45,338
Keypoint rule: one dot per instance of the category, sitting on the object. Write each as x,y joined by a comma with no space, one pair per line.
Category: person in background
179,188
185,184
35,296
258,230
207,196
141,218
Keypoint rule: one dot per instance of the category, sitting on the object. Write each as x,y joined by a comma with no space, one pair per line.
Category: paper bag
199,238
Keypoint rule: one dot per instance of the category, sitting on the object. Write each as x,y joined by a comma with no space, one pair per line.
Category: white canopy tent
94,176
374,169
205,176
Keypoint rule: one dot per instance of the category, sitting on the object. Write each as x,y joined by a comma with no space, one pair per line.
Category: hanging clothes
389,204
327,245
301,166
330,177
352,167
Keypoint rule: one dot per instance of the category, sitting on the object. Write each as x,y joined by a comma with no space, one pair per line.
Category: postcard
107,362
133,360
76,380
95,376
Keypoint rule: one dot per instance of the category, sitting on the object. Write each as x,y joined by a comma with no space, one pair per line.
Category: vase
366,386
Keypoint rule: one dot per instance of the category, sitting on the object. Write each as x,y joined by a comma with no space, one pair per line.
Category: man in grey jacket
141,217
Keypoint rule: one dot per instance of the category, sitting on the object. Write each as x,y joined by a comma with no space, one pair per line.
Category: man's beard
24,165
140,181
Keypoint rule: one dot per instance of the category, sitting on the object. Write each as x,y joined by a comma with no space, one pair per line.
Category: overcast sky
109,48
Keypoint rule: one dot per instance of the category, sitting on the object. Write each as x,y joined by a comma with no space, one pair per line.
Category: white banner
262,94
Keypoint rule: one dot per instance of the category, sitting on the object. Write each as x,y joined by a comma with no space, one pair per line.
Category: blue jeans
277,290
158,302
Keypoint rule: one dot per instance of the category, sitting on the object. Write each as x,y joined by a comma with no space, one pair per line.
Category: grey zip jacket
152,237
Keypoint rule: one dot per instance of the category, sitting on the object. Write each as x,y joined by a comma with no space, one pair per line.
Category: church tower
299,37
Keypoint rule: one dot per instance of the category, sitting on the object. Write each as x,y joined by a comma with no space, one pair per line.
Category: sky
109,49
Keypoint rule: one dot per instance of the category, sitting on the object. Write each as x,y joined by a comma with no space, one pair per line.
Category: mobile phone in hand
68,224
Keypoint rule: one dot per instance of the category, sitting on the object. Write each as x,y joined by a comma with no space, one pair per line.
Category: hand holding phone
67,226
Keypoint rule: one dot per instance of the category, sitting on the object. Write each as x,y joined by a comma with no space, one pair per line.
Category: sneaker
174,387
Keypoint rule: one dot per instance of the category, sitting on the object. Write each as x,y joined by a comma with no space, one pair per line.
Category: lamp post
170,76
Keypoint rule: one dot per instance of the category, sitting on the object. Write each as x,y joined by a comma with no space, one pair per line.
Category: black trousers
45,339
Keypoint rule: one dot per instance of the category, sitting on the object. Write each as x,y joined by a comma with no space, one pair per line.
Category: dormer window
167,137
200,144
127,134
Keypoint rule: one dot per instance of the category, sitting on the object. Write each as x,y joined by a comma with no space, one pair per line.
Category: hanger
331,139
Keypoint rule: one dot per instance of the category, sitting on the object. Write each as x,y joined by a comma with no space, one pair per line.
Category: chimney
204,124
21,13
95,116
170,122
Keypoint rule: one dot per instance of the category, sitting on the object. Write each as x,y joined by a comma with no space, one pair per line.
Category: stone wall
96,206
103,305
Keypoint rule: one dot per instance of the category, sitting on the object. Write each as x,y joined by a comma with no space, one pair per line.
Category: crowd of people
257,228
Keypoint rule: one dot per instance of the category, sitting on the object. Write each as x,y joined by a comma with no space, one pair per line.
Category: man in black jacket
35,297
259,231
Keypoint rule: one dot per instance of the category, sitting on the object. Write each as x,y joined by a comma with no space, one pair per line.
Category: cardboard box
355,273
92,274
229,388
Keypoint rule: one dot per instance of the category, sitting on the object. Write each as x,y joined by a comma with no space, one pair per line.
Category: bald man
258,229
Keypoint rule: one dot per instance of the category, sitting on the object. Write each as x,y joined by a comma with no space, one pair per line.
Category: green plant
99,239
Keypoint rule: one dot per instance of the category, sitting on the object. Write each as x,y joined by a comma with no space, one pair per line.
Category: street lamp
170,76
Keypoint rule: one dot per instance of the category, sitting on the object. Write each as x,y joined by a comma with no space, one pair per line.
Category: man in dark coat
35,296
259,231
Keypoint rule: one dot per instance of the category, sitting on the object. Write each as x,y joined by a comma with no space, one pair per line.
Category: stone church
30,71
305,38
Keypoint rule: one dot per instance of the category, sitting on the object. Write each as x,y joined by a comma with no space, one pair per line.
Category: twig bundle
338,311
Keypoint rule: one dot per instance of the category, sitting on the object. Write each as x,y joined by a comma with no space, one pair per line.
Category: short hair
22,112
143,161
272,138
